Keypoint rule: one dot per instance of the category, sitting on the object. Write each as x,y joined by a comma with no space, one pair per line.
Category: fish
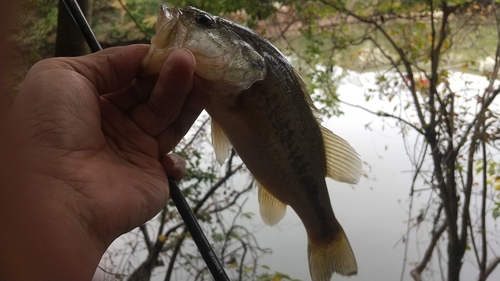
260,106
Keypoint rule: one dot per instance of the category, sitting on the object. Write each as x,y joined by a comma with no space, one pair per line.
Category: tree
412,42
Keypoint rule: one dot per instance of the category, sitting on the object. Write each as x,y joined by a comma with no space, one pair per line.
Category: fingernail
194,58
175,160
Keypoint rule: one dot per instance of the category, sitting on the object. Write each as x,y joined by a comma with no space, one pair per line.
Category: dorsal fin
307,96
272,210
221,144
342,161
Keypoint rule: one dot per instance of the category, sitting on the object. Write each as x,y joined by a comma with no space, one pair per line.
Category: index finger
110,69
169,95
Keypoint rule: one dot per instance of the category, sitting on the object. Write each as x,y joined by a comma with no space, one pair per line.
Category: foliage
35,27
33,36
121,22
254,10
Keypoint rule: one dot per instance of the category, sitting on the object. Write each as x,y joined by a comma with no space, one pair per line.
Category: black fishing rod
80,20
180,202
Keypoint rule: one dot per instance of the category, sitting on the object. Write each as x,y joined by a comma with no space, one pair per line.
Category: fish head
223,58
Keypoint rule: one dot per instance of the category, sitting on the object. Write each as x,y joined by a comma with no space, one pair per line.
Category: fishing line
180,202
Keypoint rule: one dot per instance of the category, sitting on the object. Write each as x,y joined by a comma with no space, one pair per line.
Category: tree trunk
70,41
455,256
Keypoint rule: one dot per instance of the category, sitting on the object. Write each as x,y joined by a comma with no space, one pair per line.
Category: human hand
82,157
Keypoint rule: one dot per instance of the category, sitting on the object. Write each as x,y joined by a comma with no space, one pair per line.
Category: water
375,212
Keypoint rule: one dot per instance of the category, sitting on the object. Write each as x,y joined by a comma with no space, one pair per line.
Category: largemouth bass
261,107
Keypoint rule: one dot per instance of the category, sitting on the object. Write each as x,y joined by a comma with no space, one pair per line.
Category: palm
106,137
122,160
82,156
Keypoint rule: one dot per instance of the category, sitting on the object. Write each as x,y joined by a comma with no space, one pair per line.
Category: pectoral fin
221,144
342,161
271,209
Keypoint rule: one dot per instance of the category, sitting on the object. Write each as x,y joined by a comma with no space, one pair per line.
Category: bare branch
201,128
484,249
399,51
412,191
491,266
145,235
417,271
384,114
139,27
215,187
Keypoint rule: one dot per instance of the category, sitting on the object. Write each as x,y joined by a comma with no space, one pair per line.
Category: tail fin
332,256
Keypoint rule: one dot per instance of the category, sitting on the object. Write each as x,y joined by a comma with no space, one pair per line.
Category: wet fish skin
270,123
222,58
275,133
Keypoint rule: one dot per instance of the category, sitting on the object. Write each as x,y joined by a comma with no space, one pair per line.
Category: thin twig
126,9
417,271
383,114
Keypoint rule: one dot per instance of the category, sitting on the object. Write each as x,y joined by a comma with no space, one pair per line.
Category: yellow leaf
149,21
162,238
117,4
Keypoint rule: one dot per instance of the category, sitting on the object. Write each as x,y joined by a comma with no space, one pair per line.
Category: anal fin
271,209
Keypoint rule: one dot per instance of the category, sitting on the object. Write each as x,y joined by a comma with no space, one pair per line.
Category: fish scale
260,106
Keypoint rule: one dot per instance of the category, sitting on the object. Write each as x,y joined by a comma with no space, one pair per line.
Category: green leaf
496,213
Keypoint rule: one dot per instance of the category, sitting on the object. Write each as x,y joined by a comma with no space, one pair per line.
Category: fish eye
204,20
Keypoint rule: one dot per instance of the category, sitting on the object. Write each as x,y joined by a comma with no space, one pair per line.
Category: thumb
174,166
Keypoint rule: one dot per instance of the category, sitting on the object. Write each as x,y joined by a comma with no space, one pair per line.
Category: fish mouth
169,36
217,67
169,25
169,13
232,66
